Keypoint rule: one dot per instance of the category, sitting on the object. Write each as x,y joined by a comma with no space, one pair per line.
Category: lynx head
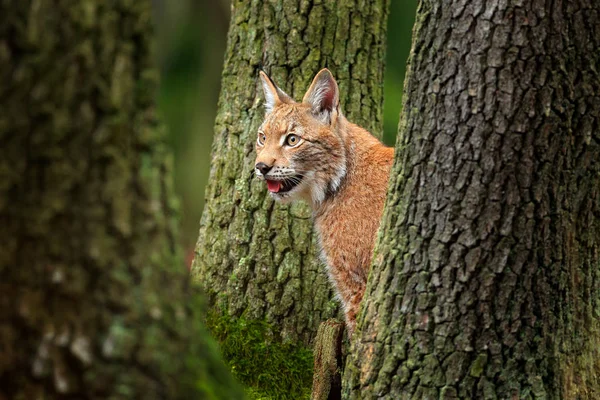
300,153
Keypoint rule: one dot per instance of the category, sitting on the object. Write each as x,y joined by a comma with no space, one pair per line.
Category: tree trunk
255,258
486,276
94,298
328,366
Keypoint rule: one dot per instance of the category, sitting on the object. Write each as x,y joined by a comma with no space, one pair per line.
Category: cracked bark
94,297
254,257
486,276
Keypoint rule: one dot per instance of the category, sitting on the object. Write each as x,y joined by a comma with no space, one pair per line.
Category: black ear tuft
273,95
323,95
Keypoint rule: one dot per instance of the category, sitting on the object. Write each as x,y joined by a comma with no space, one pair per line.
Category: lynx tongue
274,186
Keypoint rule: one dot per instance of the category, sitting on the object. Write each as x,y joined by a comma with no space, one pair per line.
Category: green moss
479,365
270,369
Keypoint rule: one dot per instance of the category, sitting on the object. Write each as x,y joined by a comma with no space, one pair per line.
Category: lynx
309,151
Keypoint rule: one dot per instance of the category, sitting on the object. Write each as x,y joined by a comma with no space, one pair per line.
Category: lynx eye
292,140
261,139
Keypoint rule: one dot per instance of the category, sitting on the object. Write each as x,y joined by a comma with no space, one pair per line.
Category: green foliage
271,370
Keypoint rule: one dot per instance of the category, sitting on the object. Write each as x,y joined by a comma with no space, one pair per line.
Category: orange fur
337,167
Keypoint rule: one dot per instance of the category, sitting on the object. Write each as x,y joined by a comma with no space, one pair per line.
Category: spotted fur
340,169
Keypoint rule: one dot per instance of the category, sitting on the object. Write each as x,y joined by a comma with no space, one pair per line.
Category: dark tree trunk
94,298
486,277
256,258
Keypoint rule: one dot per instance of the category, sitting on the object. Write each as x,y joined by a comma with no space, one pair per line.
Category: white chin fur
300,192
309,190
282,198
286,197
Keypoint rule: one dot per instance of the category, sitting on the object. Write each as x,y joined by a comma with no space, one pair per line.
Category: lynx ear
273,95
323,96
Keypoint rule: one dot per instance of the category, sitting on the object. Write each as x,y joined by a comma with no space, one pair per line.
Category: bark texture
327,377
94,298
254,257
486,277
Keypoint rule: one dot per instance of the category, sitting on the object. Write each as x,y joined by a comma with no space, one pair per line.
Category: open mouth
283,186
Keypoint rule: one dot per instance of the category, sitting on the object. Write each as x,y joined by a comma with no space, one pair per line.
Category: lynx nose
263,168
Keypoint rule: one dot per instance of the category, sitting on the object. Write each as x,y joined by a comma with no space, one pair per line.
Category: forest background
192,36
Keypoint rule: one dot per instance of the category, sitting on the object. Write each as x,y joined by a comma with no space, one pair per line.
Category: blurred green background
191,44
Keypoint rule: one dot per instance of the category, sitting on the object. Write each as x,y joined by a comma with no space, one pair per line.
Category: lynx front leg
351,310
350,283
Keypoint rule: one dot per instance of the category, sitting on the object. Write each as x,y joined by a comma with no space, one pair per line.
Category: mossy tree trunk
486,276
94,298
255,258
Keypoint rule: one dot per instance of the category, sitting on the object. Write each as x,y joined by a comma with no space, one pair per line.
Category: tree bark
94,298
486,275
327,377
256,258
